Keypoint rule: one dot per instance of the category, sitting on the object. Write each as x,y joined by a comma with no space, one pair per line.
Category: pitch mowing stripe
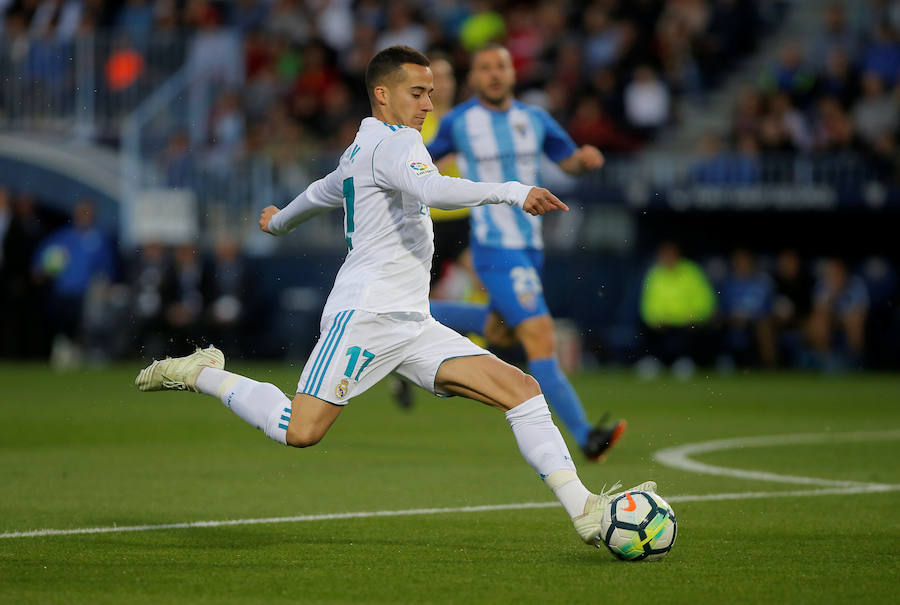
869,489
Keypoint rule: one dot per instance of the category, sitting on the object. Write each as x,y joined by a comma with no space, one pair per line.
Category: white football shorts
356,349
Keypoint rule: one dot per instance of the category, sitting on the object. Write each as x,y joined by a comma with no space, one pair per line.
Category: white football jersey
386,181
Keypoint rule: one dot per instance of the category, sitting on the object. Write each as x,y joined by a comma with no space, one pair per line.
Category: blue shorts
512,278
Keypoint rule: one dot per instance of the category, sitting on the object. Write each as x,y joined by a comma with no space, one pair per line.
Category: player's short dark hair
387,62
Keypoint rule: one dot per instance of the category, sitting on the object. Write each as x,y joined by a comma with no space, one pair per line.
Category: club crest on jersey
528,300
341,389
421,168
520,129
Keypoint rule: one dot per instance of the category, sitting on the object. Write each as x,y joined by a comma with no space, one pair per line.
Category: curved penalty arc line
679,457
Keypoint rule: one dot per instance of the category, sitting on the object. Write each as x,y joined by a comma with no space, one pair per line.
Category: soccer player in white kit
376,319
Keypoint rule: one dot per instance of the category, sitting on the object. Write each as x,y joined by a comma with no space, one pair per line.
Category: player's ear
381,95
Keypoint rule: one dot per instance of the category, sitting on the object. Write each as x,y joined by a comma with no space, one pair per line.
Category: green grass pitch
86,449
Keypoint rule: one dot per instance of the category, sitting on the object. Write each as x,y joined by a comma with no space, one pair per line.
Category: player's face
492,76
444,82
410,98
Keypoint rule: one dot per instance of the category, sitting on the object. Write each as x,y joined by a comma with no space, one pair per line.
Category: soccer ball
638,526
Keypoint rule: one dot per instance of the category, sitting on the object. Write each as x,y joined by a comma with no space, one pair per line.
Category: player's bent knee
524,386
303,436
530,388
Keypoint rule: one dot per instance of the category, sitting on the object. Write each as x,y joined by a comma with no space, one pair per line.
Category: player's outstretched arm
541,201
321,196
584,159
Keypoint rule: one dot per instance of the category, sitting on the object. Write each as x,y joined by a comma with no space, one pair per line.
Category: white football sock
260,404
544,449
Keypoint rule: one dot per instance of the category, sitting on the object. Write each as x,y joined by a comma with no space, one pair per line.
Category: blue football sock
561,396
460,316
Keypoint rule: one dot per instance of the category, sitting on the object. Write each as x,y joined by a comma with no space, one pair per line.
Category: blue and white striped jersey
497,146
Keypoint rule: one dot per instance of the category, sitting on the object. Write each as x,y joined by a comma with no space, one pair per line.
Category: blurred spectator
402,28
70,259
791,121
136,19
334,20
773,136
677,303
226,130
289,19
249,15
176,161
747,113
677,32
792,306
148,278
646,101
791,75
877,111
227,295
839,79
746,305
482,26
838,321
836,36
834,129
214,54
22,329
883,318
314,83
885,158
603,39
590,125
58,16
524,42
882,55
720,167
183,294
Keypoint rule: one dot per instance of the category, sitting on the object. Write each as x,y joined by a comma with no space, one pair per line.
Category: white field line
676,457
865,489
680,456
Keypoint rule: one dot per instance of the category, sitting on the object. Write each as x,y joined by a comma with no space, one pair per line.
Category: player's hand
266,216
590,157
541,201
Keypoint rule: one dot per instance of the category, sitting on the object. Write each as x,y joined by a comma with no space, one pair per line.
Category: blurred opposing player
376,319
497,138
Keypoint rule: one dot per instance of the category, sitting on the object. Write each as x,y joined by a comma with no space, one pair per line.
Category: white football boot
179,373
588,524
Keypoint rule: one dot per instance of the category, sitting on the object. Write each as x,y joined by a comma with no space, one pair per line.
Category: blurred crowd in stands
290,72
767,311
288,79
840,94
66,292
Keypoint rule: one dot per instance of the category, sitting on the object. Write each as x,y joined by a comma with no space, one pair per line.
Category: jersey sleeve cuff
518,193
